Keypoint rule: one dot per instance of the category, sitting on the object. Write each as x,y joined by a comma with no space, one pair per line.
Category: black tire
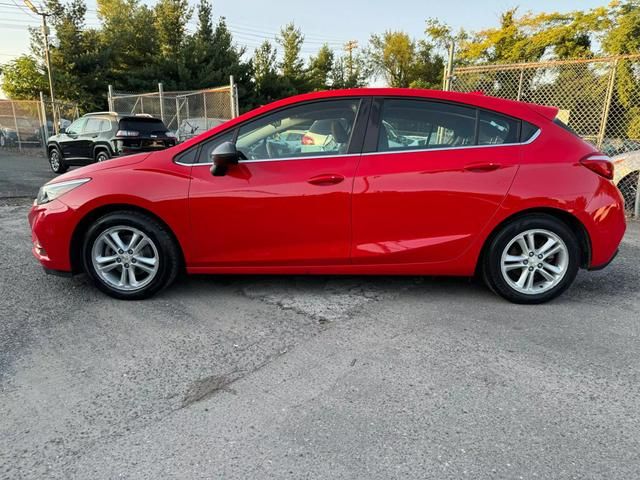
492,259
169,256
102,155
56,161
628,186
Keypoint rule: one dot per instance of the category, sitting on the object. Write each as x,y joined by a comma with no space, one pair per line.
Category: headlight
51,191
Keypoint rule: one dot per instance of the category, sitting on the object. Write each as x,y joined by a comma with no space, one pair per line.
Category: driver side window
314,129
76,127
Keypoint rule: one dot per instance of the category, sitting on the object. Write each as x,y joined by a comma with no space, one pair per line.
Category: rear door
433,176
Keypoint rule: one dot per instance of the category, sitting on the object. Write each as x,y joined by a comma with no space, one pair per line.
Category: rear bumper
606,224
604,265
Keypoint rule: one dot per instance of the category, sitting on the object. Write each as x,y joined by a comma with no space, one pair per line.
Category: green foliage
23,78
403,62
320,67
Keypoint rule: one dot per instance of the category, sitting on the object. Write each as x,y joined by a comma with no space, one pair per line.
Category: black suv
97,137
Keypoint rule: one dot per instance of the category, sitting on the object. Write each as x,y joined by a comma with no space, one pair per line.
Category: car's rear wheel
56,162
102,155
532,259
130,255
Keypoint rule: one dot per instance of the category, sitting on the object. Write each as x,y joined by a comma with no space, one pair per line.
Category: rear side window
527,131
497,129
143,125
564,126
418,125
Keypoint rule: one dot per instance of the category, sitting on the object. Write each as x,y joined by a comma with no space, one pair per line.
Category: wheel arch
75,246
100,147
567,218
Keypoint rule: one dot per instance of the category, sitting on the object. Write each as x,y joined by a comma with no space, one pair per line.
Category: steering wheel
273,149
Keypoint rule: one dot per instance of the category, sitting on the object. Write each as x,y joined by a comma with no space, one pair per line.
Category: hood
92,169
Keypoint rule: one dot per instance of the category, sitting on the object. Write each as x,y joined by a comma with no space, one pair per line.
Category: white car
626,176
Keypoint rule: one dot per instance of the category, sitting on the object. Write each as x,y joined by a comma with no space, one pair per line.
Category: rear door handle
482,167
326,179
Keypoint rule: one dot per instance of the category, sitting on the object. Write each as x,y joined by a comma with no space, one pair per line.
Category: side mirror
222,156
63,130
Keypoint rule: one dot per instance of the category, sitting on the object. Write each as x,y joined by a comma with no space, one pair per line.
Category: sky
331,21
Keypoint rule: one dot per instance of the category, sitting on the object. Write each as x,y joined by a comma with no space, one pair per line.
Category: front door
288,203
434,176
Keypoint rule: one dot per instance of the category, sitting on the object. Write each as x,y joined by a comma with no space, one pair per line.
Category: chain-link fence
598,98
26,125
185,113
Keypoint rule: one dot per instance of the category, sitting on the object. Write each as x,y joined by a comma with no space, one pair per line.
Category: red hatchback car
400,182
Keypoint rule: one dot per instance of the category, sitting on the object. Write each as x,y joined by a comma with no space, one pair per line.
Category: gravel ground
315,377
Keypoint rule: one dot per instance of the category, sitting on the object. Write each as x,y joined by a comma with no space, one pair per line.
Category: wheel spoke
123,277
523,278
553,251
115,236
530,279
108,259
531,242
111,245
523,245
144,268
552,268
141,244
547,276
133,281
146,260
134,239
108,267
551,242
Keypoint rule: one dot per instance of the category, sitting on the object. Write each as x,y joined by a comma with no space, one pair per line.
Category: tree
292,66
320,68
268,84
170,18
23,78
392,56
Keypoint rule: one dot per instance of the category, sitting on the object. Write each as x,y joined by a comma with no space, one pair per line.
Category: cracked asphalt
312,377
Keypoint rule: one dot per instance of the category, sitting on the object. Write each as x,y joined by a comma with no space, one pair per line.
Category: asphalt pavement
312,377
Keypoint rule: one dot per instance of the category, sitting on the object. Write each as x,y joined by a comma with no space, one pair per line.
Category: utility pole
45,36
349,47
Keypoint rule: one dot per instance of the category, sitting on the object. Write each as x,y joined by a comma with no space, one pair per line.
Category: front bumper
52,225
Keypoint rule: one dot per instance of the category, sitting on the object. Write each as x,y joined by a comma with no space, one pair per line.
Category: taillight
600,164
307,140
127,133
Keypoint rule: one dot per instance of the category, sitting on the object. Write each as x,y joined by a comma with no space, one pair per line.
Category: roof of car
527,111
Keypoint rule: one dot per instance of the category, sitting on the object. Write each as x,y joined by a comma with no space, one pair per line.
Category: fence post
45,127
15,122
232,103
636,207
520,82
110,99
449,69
161,94
178,119
236,101
607,105
206,114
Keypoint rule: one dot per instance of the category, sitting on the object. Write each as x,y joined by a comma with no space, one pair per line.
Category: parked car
627,175
486,186
97,137
190,127
18,131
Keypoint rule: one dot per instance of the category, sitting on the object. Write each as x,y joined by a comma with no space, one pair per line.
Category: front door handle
326,179
482,167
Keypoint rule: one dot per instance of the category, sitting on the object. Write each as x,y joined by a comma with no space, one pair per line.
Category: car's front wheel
130,255
56,162
532,259
102,156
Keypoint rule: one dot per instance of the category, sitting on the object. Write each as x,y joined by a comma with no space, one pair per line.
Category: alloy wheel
125,258
54,159
534,261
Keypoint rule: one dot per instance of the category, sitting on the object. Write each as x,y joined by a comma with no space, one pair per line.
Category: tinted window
96,125
143,125
325,129
496,129
527,131
566,127
417,125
